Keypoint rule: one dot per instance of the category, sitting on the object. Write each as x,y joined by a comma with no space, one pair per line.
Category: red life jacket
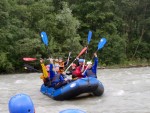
78,72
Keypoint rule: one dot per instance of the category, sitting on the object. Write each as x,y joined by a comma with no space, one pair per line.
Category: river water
126,91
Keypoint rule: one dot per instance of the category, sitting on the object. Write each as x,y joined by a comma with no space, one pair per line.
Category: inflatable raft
75,88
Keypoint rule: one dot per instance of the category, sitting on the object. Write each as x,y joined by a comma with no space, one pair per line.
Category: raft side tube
75,88
100,90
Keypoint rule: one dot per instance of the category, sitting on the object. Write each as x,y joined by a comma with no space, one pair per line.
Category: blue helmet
21,103
81,60
72,111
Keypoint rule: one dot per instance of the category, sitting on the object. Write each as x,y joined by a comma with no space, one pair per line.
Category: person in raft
61,63
58,79
73,72
45,75
51,71
80,69
21,103
91,70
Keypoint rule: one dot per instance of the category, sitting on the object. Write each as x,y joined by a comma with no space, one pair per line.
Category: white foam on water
19,81
3,88
119,93
99,100
147,76
135,82
147,81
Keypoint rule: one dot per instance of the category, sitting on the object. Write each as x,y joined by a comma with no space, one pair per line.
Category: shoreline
99,67
117,67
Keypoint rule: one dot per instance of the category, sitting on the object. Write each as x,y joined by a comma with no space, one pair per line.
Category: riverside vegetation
124,23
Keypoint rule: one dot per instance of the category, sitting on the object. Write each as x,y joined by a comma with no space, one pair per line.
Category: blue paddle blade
89,36
44,38
101,43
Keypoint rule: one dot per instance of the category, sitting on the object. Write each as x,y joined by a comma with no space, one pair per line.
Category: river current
127,90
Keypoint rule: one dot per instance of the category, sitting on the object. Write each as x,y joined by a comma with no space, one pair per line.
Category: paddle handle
70,65
85,70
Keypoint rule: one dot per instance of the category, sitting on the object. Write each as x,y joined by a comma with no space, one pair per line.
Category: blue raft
75,88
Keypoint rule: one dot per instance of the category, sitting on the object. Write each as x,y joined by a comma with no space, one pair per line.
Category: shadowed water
126,91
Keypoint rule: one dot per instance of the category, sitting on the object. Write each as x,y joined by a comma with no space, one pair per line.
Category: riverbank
117,67
127,64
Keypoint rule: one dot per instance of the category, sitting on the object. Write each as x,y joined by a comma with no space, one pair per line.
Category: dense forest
124,23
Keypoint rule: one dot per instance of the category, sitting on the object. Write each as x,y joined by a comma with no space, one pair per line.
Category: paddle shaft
82,51
68,58
70,65
29,67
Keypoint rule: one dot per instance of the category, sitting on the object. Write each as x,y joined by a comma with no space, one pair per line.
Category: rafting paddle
101,44
44,38
68,58
29,59
29,67
82,51
89,36
88,40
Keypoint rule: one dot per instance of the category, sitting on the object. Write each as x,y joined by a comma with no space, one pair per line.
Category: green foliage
125,24
4,9
5,64
67,27
114,52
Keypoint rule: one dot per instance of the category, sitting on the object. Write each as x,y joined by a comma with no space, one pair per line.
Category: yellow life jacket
45,73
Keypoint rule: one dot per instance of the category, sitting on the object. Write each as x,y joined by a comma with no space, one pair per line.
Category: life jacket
73,72
90,73
62,67
56,78
78,71
74,75
45,73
